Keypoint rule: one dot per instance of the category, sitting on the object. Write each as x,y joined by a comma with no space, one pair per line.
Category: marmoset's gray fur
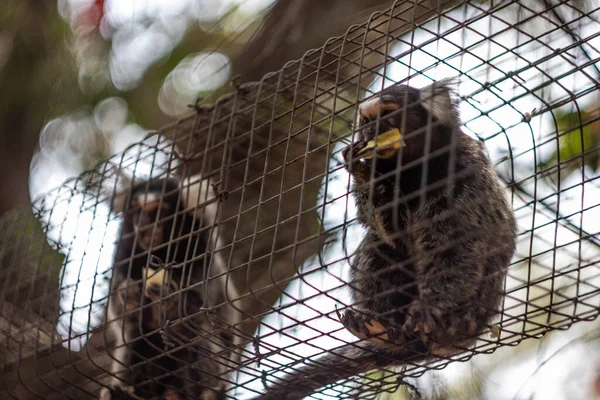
165,346
428,277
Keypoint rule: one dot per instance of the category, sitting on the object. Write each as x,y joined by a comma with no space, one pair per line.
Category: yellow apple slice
385,145
154,277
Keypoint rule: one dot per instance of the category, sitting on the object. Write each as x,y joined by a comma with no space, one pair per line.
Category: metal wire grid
271,150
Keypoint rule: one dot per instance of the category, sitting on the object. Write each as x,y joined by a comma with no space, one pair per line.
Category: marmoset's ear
197,195
441,101
122,195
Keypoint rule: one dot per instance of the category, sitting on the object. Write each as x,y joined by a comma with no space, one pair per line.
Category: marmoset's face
153,210
397,107
148,224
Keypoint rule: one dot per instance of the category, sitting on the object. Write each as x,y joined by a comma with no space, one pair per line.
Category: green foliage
390,386
578,142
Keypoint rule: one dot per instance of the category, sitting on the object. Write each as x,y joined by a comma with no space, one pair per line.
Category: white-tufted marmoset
428,277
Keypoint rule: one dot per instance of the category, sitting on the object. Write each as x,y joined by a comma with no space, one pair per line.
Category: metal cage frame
267,154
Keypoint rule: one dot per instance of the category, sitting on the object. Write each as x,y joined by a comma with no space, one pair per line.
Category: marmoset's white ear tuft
440,100
196,190
122,193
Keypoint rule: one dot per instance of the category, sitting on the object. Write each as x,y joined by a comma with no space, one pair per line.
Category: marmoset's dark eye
365,120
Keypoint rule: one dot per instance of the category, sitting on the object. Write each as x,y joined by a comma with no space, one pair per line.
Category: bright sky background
90,238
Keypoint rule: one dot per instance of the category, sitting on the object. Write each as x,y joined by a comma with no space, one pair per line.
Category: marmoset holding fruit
166,346
428,277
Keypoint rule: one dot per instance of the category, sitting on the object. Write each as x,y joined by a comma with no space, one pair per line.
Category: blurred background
81,80
88,77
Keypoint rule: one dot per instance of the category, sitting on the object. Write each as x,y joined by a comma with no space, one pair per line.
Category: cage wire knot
166,337
257,353
221,195
200,108
241,88
157,263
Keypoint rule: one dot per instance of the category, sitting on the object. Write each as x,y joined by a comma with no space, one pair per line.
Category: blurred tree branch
292,28
35,64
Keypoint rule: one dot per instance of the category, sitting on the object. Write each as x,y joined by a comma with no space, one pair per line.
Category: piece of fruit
385,145
154,277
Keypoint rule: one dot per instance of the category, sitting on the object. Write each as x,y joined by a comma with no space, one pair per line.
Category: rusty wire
271,152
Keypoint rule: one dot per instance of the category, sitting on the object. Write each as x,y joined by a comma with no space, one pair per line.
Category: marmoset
427,279
166,347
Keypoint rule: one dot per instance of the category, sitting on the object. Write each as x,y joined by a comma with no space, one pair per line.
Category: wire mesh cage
217,257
